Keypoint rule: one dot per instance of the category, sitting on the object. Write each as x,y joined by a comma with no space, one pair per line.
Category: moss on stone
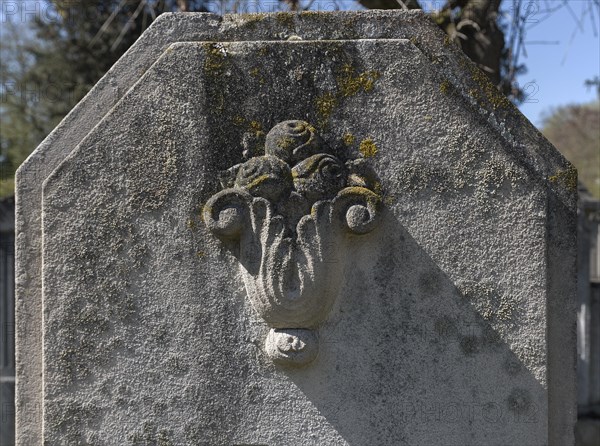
566,177
255,73
257,181
367,148
325,104
350,83
445,86
215,58
285,18
255,126
239,120
492,94
191,224
285,142
348,138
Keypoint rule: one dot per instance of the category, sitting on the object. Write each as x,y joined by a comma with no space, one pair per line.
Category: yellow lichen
377,188
475,93
256,182
285,18
285,142
255,126
349,139
191,224
255,72
349,83
445,86
239,120
367,148
215,56
389,199
252,19
371,197
567,177
493,95
325,105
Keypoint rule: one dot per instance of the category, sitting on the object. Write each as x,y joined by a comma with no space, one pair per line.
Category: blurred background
543,54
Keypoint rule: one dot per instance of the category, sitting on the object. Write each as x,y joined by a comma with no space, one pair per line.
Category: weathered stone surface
453,324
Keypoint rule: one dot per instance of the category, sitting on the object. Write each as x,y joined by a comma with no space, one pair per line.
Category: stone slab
459,165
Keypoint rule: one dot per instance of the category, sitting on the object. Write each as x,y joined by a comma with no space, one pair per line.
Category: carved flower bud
293,141
319,177
265,176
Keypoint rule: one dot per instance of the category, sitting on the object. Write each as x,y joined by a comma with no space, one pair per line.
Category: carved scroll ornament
286,215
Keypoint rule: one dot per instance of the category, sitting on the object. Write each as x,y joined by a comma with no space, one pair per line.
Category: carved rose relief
288,213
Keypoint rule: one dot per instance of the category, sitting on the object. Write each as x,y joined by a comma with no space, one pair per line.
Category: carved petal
227,212
292,283
358,209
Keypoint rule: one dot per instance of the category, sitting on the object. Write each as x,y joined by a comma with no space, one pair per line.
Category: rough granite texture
455,323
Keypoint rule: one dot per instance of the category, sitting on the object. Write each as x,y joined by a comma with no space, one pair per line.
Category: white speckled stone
455,321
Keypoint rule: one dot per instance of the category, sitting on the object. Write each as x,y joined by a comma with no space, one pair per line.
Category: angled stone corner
177,283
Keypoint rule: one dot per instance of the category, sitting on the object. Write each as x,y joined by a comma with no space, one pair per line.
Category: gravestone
316,228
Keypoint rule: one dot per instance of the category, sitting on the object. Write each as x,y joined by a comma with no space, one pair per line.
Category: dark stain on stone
512,366
519,401
469,345
429,283
445,327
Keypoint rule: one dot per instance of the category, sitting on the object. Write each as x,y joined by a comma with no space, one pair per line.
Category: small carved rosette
287,214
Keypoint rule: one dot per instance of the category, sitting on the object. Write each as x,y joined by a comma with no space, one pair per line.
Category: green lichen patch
566,177
445,86
325,104
350,83
285,142
491,93
191,224
285,18
348,139
367,148
215,58
255,126
239,121
255,73
214,69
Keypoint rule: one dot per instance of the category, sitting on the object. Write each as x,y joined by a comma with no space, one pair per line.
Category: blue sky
557,72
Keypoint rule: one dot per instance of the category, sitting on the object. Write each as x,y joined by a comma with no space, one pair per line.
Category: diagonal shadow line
407,360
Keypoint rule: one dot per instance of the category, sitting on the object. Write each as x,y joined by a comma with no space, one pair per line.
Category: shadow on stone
407,359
